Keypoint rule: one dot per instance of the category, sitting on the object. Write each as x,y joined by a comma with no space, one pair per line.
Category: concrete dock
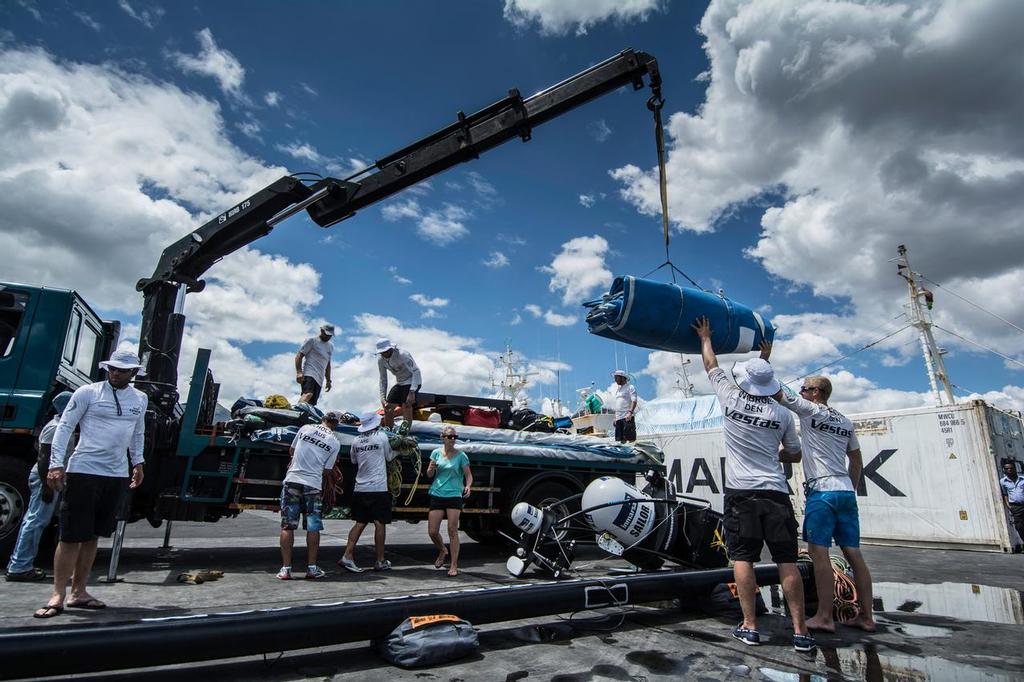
943,615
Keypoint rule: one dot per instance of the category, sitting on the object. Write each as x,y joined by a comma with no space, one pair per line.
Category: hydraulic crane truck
51,341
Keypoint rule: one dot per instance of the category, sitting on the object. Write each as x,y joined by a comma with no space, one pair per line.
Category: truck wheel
14,495
548,493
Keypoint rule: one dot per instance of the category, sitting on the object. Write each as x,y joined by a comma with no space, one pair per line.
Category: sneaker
284,574
315,573
31,576
804,643
746,635
349,565
382,565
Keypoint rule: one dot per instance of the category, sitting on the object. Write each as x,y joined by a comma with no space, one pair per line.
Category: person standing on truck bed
371,501
757,506
41,504
1013,495
391,358
313,451
313,364
625,407
111,416
828,440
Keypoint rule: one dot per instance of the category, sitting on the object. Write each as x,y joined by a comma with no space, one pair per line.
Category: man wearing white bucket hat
111,416
624,396
371,501
390,358
757,509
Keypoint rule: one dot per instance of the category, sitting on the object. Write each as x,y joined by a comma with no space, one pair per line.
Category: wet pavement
943,615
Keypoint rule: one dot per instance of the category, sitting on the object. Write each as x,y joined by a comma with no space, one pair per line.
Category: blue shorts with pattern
832,514
300,500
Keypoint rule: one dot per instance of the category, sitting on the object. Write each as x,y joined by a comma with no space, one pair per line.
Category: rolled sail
658,315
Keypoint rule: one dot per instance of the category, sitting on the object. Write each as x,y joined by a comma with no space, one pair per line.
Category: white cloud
302,151
865,126
579,268
558,320
397,277
516,319
513,240
587,200
550,317
431,314
599,130
438,226
496,260
486,195
308,89
89,21
250,127
71,198
148,16
93,212
30,7
427,302
558,17
272,98
214,62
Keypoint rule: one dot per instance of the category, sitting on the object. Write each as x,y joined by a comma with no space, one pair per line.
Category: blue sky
806,141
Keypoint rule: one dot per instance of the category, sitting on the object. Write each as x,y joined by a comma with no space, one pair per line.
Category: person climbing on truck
313,364
390,358
41,505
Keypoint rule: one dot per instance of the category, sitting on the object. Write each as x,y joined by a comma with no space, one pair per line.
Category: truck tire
14,496
545,494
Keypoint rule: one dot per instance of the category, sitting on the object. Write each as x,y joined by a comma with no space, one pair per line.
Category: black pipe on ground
66,650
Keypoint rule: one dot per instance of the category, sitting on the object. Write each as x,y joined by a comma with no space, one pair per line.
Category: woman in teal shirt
452,480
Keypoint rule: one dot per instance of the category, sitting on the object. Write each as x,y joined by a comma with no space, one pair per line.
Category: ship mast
921,319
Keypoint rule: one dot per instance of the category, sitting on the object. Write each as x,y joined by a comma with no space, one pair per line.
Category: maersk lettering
750,419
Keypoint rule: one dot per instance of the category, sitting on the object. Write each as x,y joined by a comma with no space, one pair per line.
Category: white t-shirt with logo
370,453
754,427
317,355
826,435
104,434
316,449
624,396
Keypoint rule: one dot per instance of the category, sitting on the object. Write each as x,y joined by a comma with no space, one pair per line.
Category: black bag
451,413
244,402
429,640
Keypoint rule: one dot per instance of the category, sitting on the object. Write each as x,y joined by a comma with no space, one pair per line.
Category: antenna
683,378
515,378
921,319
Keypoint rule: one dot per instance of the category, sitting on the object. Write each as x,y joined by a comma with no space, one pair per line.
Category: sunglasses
805,389
450,436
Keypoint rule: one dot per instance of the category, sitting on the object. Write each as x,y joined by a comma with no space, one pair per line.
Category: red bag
483,416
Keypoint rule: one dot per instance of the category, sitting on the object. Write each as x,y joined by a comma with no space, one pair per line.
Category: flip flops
91,604
48,611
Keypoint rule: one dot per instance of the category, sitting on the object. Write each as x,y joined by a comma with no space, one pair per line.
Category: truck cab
50,341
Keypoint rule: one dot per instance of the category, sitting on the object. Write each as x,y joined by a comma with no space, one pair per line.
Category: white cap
122,359
384,345
756,377
620,373
368,422
327,329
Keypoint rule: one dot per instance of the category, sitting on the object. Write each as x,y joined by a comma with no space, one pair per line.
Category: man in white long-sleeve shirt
390,358
111,416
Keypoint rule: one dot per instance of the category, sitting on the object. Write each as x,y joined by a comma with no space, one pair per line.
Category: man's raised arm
707,353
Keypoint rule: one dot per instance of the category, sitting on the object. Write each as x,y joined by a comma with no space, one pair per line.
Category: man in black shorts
757,506
391,358
111,416
371,501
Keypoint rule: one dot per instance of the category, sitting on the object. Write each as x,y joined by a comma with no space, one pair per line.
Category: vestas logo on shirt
829,428
135,410
751,420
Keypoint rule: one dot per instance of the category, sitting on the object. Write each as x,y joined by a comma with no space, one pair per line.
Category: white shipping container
931,475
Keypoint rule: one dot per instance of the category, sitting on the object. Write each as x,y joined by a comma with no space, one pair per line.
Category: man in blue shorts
314,451
828,440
